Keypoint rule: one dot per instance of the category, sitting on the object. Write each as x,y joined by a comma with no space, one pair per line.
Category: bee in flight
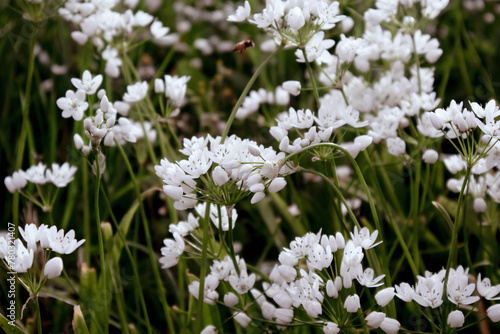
243,45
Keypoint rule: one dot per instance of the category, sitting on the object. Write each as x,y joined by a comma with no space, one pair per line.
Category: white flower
175,89
113,63
243,282
136,92
31,235
352,304
429,289
242,13
24,257
404,292
396,146
73,105
364,239
88,84
158,30
459,292
172,251
485,289
367,279
60,243
35,174
53,268
456,319
60,176
315,48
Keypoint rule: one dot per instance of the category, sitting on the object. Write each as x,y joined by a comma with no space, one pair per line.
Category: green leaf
10,327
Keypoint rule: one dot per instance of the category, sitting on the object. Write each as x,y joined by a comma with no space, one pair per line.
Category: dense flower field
209,166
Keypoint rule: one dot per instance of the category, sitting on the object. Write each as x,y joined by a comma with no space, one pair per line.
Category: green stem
311,76
154,266
100,238
38,316
203,269
132,262
24,127
245,93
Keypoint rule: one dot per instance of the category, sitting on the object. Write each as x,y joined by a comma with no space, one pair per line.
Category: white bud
430,156
456,319
53,267
352,304
292,86
384,296
159,86
230,299
219,176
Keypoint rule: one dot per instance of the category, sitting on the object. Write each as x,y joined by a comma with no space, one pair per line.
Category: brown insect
243,45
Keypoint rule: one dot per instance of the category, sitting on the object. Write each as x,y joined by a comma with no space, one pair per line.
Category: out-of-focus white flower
390,326
175,89
136,92
430,156
60,176
87,84
15,182
35,174
242,13
292,86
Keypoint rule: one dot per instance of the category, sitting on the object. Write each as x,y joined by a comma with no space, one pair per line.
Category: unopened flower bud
456,319
53,267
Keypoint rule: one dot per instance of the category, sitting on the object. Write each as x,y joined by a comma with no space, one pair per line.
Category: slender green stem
100,239
311,76
203,269
38,315
24,127
154,265
137,280
245,93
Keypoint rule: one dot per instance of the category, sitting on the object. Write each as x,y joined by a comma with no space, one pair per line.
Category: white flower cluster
22,258
104,124
238,163
298,282
297,24
429,291
174,88
59,175
456,122
252,102
110,30
220,217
